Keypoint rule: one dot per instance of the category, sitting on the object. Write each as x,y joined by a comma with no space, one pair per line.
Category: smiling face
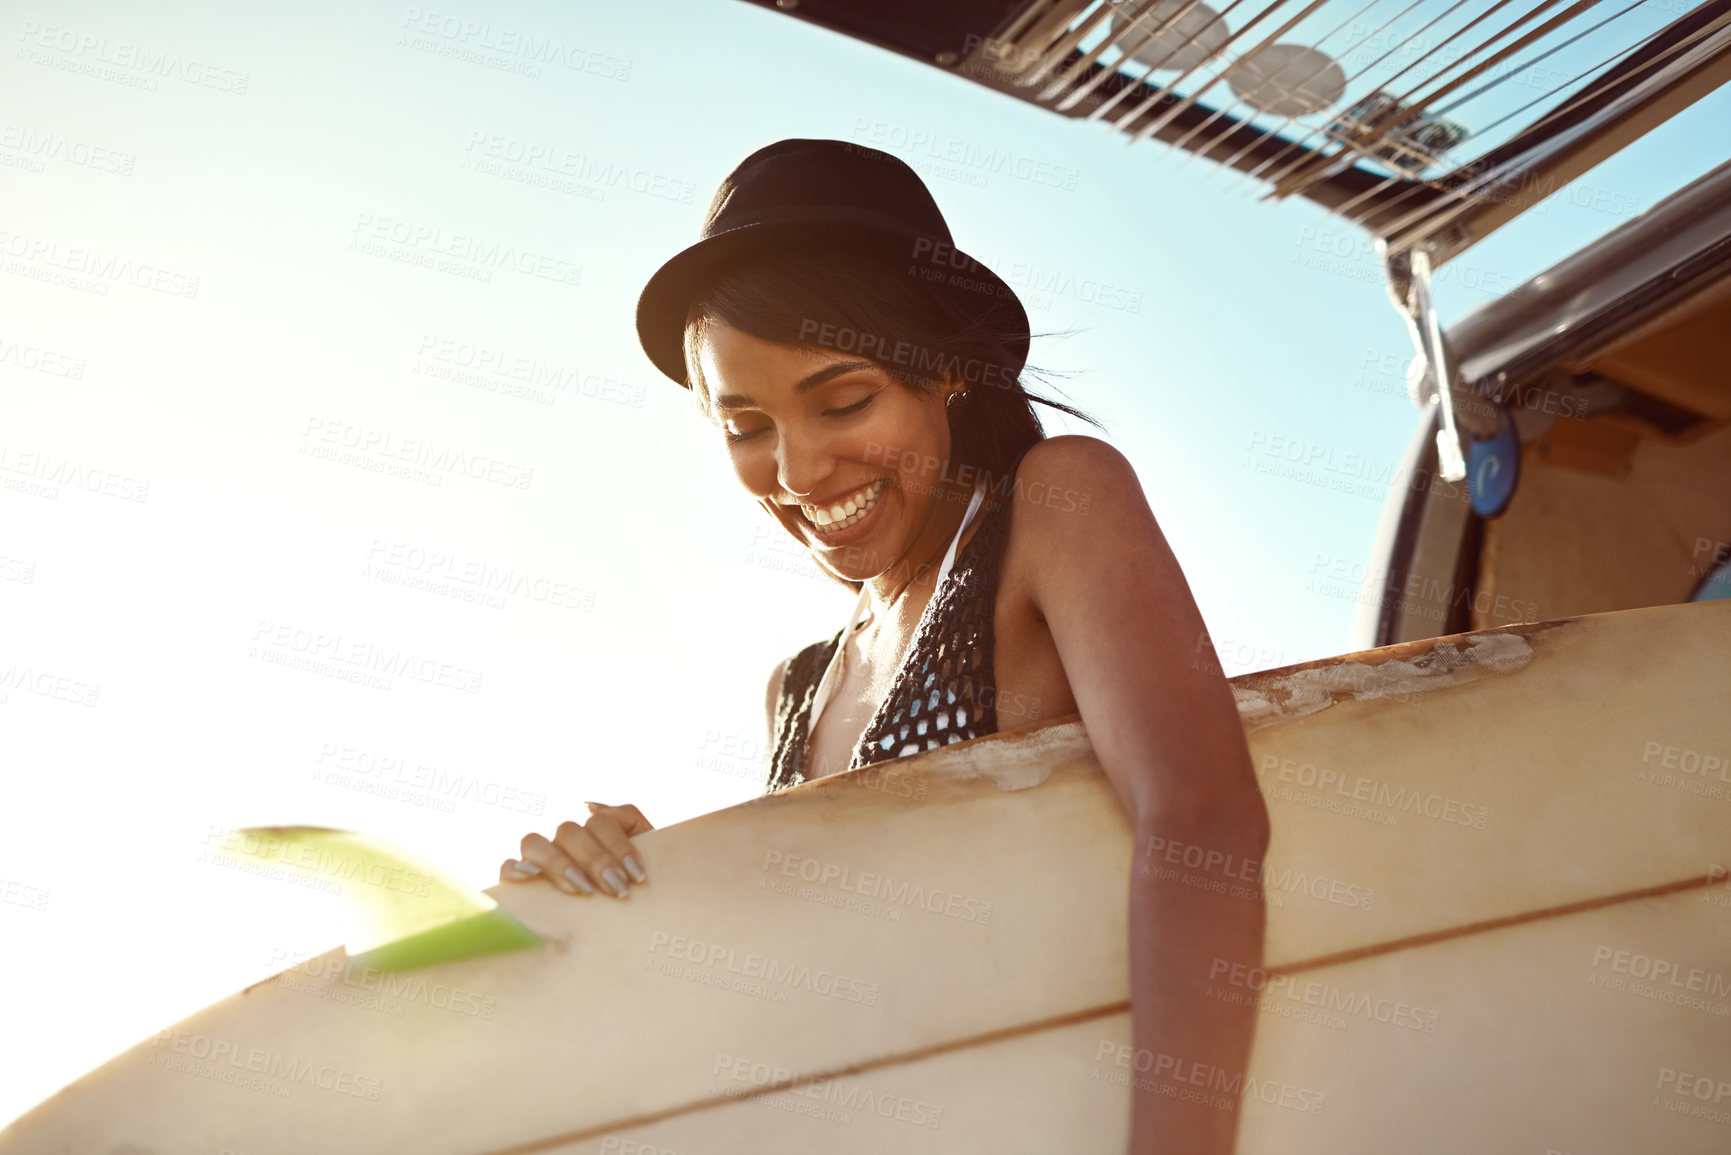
821,438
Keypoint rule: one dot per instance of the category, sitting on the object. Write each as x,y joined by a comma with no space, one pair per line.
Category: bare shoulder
1076,486
1082,525
1075,454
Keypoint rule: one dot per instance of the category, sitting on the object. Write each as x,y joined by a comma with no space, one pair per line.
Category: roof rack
1428,122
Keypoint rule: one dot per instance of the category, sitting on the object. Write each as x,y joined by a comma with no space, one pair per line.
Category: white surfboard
1498,919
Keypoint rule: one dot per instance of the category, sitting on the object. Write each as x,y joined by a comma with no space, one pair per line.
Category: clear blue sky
241,206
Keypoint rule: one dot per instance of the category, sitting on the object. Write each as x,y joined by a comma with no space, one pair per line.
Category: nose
801,463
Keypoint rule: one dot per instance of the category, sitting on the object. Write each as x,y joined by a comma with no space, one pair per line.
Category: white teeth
844,514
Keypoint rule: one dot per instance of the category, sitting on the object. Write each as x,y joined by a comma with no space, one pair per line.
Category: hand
578,859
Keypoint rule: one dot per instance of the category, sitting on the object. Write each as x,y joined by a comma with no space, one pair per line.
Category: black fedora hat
803,191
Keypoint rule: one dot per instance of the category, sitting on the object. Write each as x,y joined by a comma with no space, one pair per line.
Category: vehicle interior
1615,367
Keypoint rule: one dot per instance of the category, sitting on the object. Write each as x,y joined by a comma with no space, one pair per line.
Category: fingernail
634,870
616,881
594,805
525,867
577,880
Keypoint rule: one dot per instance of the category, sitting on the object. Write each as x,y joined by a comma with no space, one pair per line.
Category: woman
866,377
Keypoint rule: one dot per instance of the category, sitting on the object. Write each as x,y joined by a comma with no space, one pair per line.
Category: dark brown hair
849,300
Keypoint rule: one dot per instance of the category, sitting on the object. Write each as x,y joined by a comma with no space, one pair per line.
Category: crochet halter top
943,691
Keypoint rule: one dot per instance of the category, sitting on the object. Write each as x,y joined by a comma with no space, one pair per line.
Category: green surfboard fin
403,912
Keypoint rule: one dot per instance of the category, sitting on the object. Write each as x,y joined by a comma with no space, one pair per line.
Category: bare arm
1166,730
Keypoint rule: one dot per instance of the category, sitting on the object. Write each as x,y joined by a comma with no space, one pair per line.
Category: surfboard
1498,918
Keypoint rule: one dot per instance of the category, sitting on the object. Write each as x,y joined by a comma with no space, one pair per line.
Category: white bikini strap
955,542
826,684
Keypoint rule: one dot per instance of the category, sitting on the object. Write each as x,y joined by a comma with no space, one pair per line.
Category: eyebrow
804,385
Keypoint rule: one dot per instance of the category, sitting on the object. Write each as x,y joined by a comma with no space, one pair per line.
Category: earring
960,395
